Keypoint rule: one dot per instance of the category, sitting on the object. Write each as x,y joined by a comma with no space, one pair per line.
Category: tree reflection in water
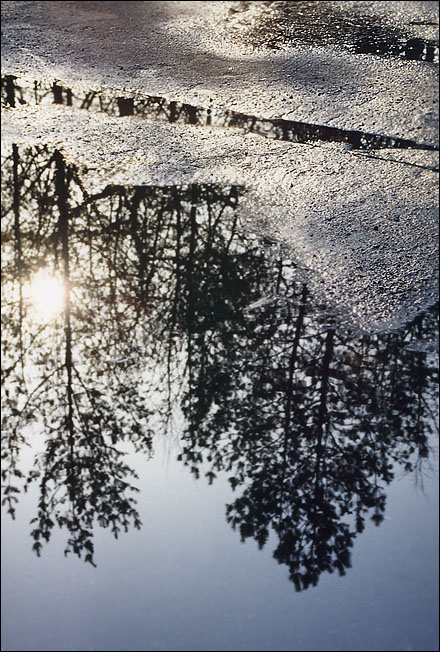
169,305
15,91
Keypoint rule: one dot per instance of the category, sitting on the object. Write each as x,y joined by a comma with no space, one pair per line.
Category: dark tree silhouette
171,307
52,378
160,108
310,423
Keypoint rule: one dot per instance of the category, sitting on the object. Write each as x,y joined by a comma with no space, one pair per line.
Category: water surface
197,455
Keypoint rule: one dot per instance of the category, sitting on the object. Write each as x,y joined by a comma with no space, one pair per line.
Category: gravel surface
362,224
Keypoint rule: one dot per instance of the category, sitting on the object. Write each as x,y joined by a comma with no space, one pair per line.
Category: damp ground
220,325
335,140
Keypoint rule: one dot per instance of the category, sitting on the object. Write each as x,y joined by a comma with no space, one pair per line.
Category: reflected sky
177,327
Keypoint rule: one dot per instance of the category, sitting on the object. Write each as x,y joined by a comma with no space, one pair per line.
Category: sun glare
46,294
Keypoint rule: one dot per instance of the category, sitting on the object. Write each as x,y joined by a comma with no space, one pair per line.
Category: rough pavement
363,223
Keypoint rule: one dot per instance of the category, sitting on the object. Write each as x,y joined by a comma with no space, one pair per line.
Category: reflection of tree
160,108
169,305
52,378
309,424
106,369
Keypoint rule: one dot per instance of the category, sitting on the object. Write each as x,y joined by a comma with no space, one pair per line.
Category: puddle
17,92
170,322
282,25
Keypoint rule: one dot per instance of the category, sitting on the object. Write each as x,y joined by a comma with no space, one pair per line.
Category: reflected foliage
16,92
310,425
173,313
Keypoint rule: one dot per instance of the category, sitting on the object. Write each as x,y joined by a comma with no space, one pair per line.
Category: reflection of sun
46,294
